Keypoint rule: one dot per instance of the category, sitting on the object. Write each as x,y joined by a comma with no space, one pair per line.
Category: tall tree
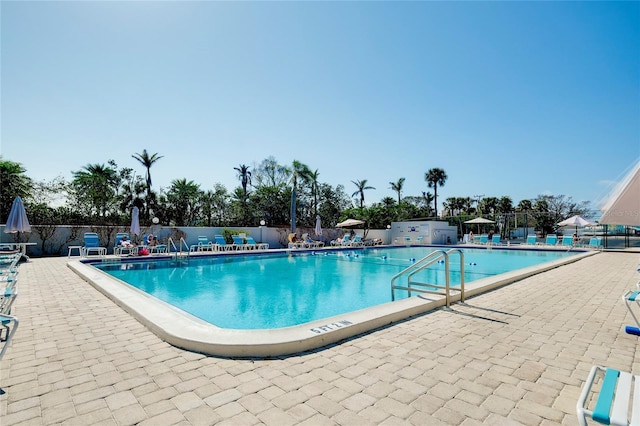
13,183
147,161
244,176
435,177
299,173
313,178
96,186
362,186
397,187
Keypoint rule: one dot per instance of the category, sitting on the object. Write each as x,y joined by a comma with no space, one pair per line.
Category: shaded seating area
92,245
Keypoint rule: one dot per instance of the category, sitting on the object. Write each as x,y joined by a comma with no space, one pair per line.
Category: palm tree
14,183
362,186
299,171
244,176
397,186
147,161
313,177
435,177
96,185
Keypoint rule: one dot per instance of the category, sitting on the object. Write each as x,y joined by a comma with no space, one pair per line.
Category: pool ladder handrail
178,249
424,263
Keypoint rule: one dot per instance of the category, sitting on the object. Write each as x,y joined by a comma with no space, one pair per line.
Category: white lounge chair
9,324
612,405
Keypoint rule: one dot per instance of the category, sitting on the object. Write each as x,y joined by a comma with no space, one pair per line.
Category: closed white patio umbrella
17,220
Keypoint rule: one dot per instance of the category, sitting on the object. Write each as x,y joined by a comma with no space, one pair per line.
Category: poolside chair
239,244
613,404
203,244
595,243
7,298
531,240
495,239
9,324
551,240
567,241
419,239
407,240
257,246
119,249
221,243
294,243
357,240
346,240
92,245
484,239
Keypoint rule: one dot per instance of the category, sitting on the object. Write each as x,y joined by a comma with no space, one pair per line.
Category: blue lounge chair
612,405
10,324
258,246
121,250
531,240
221,243
567,241
484,239
551,240
346,240
595,243
357,240
495,239
239,244
203,244
92,245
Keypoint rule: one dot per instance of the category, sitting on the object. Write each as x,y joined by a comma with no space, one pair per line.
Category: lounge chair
221,243
357,240
532,240
7,298
346,240
595,243
567,241
551,240
10,324
407,240
92,245
120,250
257,246
631,299
239,243
495,239
203,244
294,244
419,239
484,239
612,405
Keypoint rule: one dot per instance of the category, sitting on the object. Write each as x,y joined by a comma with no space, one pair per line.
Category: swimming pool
259,292
287,289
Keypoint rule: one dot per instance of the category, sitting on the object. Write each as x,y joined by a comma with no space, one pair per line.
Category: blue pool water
263,291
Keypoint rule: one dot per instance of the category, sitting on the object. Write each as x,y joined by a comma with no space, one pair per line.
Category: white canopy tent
622,207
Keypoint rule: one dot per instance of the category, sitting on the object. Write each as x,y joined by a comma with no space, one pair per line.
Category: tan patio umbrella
349,222
478,221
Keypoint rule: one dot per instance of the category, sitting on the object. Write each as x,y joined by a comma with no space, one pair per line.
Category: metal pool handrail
424,263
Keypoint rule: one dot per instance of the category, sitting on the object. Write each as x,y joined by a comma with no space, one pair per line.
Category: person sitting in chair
151,241
124,242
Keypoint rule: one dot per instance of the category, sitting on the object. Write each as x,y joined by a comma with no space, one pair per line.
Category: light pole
262,223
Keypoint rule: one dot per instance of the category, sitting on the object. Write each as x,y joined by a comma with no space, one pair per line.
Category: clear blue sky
509,98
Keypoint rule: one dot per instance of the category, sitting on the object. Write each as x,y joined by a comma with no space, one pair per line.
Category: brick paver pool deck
517,355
